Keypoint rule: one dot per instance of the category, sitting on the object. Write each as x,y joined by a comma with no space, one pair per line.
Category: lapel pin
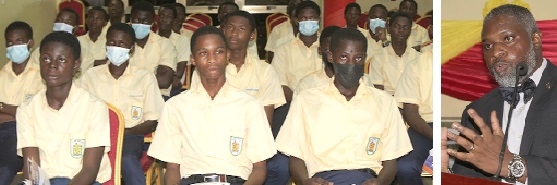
548,85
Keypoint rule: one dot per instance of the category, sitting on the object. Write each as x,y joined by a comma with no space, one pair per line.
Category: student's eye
509,38
47,60
358,59
242,28
203,53
62,60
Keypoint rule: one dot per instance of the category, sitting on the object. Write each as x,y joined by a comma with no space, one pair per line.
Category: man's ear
30,44
77,64
537,40
330,56
74,30
192,60
253,34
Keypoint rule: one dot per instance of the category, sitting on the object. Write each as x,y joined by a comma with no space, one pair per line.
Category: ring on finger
472,148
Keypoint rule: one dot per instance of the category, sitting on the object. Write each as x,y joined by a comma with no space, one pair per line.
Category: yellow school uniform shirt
91,51
63,135
320,78
281,34
182,45
418,35
373,47
224,136
15,89
416,85
293,61
34,58
157,51
386,67
256,77
330,133
136,93
186,32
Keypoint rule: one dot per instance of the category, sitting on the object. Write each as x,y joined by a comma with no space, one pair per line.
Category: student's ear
30,44
330,56
192,60
74,30
227,55
76,66
132,49
253,35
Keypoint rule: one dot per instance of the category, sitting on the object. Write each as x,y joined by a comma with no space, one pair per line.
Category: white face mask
18,53
117,55
58,26
141,30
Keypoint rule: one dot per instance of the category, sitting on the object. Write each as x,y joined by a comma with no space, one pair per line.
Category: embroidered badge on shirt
28,96
136,113
372,145
77,148
236,145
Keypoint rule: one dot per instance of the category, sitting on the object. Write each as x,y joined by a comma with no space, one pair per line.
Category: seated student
177,25
387,66
152,52
229,7
66,21
167,17
344,131
213,131
283,32
415,91
133,91
115,14
64,128
377,34
418,35
93,44
352,14
19,81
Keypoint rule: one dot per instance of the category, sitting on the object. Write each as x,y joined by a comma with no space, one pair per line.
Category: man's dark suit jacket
539,139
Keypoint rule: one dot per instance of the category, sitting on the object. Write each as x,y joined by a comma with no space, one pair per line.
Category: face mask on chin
59,26
348,75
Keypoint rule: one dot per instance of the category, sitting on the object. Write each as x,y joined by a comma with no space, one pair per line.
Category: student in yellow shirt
213,132
93,44
377,34
415,91
387,66
115,11
178,23
418,35
152,52
167,17
229,7
64,128
343,132
133,91
19,81
283,32
352,14
66,21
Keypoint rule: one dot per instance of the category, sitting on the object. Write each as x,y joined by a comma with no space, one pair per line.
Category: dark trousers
132,172
344,176
191,181
277,170
65,181
279,117
10,162
410,166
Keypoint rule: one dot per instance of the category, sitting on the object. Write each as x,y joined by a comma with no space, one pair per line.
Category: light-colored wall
472,10
38,13
424,6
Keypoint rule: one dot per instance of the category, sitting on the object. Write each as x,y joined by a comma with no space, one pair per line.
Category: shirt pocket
135,110
77,142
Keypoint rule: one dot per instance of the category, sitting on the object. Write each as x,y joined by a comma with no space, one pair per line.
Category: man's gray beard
510,79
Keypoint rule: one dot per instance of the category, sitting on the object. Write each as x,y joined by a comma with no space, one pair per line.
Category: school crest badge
372,145
77,148
136,113
236,145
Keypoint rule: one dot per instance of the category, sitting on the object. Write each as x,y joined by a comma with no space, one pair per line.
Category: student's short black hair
207,30
243,14
171,7
308,4
143,6
345,34
71,11
327,32
397,15
101,9
411,1
181,6
352,5
19,25
380,6
231,3
64,38
126,28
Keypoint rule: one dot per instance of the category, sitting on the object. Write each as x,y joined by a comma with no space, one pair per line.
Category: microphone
521,70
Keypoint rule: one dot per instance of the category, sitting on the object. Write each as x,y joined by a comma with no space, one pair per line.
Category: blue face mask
17,53
59,26
141,30
117,55
374,23
308,28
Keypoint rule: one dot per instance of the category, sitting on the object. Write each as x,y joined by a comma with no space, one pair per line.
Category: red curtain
466,76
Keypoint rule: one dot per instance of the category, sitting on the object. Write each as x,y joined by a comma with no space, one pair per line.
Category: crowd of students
311,116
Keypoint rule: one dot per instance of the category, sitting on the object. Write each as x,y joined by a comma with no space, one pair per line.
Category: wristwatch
516,168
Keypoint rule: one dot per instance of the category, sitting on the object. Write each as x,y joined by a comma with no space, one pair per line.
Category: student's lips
213,69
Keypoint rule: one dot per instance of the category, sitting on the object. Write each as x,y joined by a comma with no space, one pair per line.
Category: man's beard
509,80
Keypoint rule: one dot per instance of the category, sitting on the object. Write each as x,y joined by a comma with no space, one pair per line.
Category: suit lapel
541,95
